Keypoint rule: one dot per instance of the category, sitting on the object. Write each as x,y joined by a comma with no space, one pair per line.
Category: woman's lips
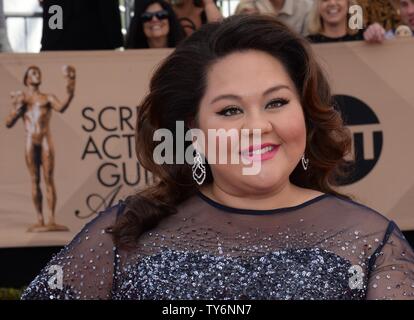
261,152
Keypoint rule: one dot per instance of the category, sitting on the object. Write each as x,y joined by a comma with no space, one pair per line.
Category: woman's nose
258,121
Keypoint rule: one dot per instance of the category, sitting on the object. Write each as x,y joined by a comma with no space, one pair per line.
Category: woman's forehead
244,70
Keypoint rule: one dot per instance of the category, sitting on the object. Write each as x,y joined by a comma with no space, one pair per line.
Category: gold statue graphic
35,108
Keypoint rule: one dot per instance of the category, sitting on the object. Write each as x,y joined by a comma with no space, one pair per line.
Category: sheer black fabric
320,38
325,248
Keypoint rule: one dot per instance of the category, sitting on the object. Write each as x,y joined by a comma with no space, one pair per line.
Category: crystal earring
198,166
305,163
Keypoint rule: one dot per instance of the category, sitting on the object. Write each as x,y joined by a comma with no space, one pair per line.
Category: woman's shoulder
87,263
107,216
356,211
96,229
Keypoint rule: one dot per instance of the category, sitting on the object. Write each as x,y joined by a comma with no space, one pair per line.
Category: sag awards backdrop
67,133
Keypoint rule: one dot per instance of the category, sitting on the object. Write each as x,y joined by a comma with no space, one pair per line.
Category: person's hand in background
375,33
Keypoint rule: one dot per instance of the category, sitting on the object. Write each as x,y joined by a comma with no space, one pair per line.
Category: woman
154,25
294,13
247,7
328,22
194,13
281,233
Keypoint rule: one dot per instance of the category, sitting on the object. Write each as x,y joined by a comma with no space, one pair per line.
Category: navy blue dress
326,248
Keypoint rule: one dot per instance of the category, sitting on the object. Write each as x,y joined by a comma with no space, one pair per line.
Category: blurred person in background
406,10
385,12
4,40
154,25
328,22
87,25
294,13
247,7
192,14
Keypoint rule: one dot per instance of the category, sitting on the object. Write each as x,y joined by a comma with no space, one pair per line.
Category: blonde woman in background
328,22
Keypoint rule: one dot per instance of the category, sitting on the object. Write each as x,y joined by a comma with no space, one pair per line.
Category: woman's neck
160,42
287,195
334,30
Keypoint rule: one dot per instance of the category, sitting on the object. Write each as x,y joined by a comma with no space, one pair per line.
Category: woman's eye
229,111
277,103
234,110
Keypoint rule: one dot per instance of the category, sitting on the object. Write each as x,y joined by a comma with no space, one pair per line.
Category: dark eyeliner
223,112
281,101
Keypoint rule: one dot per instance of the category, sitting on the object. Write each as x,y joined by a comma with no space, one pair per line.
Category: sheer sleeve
392,268
84,268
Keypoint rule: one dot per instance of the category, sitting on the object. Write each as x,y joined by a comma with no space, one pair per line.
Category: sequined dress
326,248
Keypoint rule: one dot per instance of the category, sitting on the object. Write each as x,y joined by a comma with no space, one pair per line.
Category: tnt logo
366,133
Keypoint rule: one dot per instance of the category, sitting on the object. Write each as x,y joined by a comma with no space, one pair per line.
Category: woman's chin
334,21
261,183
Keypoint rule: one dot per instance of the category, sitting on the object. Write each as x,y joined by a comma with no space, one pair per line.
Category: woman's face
333,11
249,10
252,90
156,28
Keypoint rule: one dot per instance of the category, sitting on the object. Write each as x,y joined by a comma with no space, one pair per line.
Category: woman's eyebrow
236,97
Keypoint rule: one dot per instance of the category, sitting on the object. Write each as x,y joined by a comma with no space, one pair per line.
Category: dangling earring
198,164
305,163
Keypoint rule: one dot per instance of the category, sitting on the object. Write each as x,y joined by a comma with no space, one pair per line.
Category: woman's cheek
222,144
167,28
292,129
146,31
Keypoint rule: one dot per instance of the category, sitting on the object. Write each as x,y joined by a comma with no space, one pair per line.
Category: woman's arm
84,269
212,12
391,267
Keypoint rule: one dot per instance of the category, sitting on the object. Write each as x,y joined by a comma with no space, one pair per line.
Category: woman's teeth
262,151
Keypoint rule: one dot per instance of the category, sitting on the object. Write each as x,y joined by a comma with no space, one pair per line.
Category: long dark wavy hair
136,38
176,89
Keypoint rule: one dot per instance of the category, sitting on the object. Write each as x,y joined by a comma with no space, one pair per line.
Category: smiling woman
284,233
329,21
154,25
